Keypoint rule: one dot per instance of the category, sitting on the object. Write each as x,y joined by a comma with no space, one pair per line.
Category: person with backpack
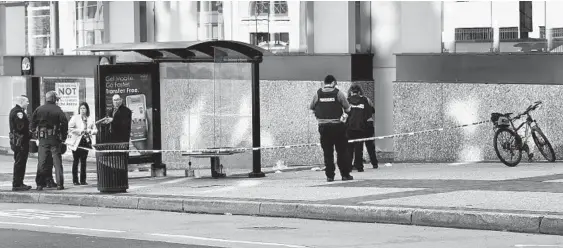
357,124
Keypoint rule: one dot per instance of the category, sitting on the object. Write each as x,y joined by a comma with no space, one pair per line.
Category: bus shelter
138,82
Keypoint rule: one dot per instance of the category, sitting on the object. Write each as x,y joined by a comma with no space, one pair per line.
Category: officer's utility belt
44,133
16,139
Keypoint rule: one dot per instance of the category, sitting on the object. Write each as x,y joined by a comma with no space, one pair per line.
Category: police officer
19,141
357,123
329,105
50,125
370,144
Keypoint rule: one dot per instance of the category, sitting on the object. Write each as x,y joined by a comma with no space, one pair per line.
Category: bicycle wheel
545,147
507,142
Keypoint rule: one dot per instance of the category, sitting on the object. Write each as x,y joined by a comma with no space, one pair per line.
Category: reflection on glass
514,26
554,24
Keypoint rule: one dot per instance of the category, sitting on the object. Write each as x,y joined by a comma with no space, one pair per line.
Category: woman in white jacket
80,130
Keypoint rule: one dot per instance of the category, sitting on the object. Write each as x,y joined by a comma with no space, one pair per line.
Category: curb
521,223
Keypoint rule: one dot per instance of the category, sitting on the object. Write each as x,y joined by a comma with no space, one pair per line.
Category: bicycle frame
528,127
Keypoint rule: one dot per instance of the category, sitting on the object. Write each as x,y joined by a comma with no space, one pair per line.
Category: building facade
305,28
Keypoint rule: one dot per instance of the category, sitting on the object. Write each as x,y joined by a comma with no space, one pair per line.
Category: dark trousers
356,149
48,148
79,156
20,162
48,170
333,136
370,144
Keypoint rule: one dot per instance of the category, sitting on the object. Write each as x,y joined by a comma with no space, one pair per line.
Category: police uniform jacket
19,126
328,105
50,116
361,111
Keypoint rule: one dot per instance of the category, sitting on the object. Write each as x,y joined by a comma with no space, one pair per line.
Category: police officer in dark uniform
357,122
19,141
329,105
50,125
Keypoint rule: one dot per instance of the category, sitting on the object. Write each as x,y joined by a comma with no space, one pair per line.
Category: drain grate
268,228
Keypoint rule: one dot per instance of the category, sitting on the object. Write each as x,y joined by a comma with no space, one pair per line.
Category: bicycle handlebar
530,108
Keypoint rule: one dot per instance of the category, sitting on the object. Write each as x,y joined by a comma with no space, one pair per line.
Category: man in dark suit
119,120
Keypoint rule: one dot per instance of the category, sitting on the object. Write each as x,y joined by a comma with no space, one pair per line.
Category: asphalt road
63,226
30,239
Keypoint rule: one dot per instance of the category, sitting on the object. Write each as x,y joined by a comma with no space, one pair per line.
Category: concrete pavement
490,196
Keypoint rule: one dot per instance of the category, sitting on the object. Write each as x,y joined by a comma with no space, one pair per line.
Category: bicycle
514,143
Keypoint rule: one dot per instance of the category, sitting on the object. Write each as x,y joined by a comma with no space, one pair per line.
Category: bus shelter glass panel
206,105
232,111
72,91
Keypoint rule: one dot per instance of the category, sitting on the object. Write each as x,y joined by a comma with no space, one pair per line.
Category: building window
555,33
89,23
510,33
38,28
542,32
210,21
280,8
279,44
259,8
262,8
473,34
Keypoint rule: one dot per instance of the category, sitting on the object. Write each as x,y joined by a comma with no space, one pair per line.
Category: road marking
61,227
227,240
538,245
461,163
131,187
39,214
175,181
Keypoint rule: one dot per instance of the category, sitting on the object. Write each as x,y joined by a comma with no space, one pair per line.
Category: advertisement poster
135,92
71,90
69,97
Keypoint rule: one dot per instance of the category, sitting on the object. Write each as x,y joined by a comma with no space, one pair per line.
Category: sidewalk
490,196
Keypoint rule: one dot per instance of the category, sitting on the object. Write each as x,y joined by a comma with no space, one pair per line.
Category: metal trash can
112,172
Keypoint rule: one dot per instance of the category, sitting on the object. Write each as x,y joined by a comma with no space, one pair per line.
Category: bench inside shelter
214,155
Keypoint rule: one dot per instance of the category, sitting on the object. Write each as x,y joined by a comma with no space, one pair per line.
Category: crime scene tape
208,151
418,132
